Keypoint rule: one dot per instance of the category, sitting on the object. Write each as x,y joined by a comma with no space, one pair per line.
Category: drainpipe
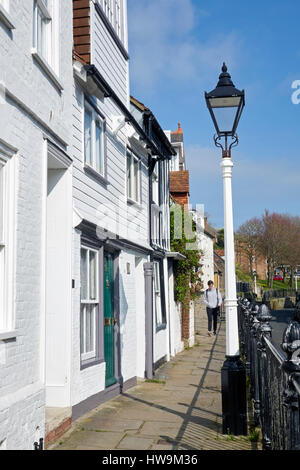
150,171
148,273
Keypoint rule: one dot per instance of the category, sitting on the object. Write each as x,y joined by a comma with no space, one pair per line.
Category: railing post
291,396
254,376
247,336
264,330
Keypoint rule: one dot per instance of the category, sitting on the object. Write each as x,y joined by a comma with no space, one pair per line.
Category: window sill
161,327
8,335
90,363
137,205
88,169
47,69
6,19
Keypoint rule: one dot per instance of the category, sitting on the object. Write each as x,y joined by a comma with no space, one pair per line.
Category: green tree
219,245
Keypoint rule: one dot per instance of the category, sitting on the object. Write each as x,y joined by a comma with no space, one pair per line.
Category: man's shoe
209,333
215,333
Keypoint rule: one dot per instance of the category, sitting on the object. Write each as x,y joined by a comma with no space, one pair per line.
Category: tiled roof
179,182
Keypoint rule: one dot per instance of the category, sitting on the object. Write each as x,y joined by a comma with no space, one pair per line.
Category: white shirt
212,298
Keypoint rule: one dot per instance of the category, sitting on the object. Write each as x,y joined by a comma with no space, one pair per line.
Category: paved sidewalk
184,413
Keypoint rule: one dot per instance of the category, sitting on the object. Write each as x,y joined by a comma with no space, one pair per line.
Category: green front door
109,330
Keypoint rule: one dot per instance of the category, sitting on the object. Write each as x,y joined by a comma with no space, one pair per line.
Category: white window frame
113,11
157,294
110,11
131,184
44,46
89,303
117,18
96,119
155,186
4,14
5,4
7,241
50,58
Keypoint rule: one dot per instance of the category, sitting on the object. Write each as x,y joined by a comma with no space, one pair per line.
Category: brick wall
180,198
200,311
260,264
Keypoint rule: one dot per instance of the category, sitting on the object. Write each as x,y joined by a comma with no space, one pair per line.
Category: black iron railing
274,378
279,293
243,287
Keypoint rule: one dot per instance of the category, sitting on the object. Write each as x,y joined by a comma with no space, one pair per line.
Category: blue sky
177,48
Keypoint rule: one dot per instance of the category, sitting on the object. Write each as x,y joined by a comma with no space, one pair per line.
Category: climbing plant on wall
183,240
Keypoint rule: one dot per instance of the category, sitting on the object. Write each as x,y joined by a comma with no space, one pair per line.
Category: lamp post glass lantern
225,104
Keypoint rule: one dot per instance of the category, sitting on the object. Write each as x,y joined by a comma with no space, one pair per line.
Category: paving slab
184,413
136,443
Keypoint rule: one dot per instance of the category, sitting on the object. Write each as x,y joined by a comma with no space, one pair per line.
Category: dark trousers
212,315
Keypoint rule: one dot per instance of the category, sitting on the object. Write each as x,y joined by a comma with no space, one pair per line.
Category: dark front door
109,321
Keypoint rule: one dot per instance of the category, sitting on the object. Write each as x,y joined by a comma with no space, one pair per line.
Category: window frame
5,14
158,277
117,24
7,242
49,62
86,303
5,4
47,42
130,190
96,117
113,11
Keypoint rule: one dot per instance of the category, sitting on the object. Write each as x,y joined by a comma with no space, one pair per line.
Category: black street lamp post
225,104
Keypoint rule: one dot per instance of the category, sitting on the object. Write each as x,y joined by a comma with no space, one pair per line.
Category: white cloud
257,184
265,172
164,46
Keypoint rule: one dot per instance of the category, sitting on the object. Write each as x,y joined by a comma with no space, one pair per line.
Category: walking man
213,301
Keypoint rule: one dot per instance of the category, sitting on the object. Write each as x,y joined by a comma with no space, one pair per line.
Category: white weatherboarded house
112,250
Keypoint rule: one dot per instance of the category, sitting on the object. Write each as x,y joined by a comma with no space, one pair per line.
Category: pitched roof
164,139
139,104
179,181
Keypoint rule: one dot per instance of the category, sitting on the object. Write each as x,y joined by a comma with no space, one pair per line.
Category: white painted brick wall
206,244
22,397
